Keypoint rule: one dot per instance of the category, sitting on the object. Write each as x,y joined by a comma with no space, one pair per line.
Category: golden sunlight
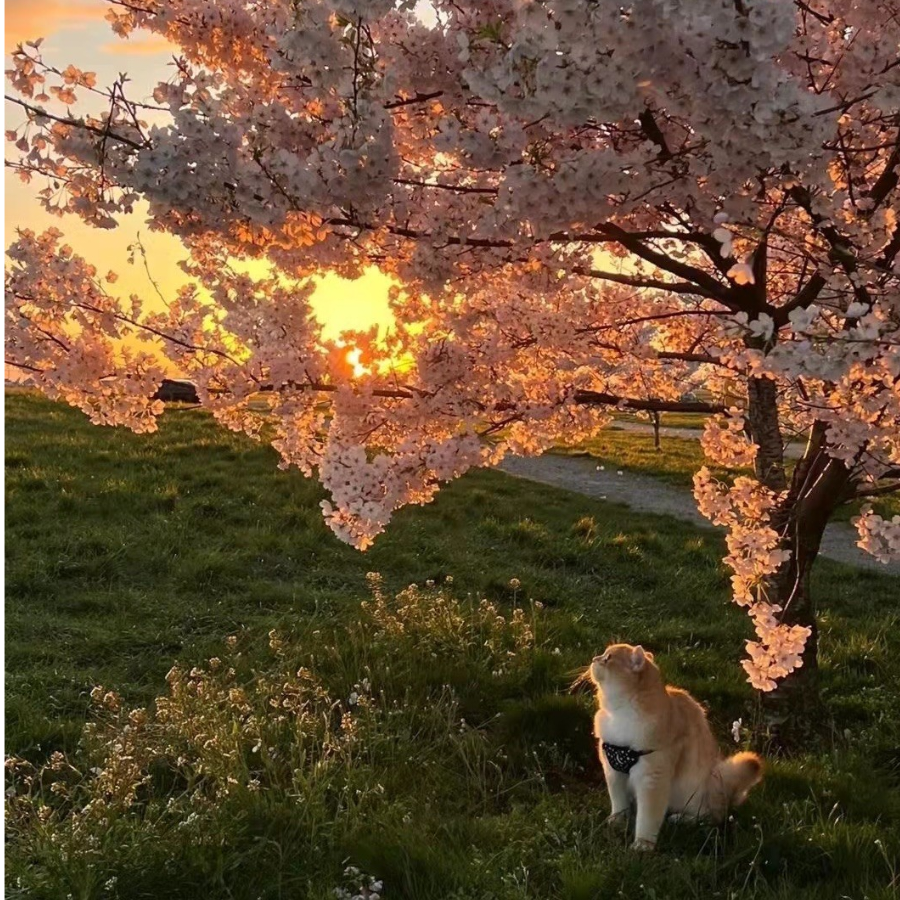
353,357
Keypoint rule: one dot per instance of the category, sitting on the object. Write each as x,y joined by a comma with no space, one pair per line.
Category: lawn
675,462
317,724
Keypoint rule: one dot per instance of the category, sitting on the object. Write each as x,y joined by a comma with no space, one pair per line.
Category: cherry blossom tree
586,206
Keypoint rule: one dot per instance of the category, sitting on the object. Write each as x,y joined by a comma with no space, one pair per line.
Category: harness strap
622,759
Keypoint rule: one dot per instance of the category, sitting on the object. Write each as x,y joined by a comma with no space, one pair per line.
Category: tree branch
608,233
100,132
841,248
702,279
654,133
597,398
824,18
704,358
890,251
24,366
801,300
878,491
674,287
457,188
886,181
408,101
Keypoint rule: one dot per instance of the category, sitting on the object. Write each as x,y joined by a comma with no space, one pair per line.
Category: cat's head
622,664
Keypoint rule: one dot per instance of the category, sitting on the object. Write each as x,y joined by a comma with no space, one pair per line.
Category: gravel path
646,494
793,450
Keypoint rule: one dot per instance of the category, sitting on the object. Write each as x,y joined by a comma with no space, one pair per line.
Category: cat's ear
639,659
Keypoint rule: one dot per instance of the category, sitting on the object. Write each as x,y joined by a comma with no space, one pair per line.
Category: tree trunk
818,486
655,417
800,518
790,589
762,415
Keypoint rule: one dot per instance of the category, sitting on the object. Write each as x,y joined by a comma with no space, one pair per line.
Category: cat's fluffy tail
739,773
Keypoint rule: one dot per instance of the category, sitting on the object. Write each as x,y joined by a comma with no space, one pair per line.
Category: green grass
127,553
674,463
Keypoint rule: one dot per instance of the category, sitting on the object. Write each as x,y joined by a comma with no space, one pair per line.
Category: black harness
622,759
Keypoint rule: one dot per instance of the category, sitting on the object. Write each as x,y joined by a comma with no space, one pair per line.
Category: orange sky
75,32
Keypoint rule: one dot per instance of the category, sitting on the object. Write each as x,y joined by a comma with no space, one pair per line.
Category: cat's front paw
618,821
643,844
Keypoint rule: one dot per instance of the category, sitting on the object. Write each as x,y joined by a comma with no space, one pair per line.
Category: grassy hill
424,737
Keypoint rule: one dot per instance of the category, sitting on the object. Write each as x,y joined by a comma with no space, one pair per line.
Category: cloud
141,45
30,19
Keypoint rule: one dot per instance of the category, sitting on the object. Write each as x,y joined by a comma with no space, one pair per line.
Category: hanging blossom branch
567,236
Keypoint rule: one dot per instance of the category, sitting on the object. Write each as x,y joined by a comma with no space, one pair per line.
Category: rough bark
762,415
818,485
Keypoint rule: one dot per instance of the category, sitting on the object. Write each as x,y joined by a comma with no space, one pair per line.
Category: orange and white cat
657,749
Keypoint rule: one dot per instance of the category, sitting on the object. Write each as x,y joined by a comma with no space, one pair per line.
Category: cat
656,748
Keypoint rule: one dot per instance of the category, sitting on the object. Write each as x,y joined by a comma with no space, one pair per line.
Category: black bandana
623,759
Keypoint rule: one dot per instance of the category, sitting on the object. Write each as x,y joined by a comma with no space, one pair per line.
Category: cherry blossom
725,441
878,536
584,208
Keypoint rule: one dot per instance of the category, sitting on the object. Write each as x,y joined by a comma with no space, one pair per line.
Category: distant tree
655,417
568,194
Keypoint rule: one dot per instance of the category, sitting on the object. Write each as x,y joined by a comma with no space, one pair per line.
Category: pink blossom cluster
877,535
755,553
778,652
725,440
